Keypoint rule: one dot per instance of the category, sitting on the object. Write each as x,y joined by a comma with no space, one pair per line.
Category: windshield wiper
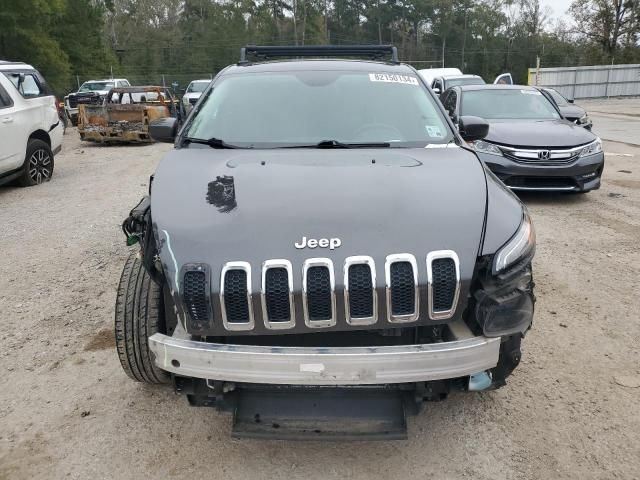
212,142
338,144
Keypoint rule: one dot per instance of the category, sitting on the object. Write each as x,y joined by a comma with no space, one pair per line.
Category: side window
5,99
124,83
437,84
450,103
29,88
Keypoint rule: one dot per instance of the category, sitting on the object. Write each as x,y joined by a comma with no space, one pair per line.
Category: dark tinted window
306,107
559,99
512,103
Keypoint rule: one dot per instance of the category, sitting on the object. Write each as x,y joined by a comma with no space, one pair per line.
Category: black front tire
38,164
139,314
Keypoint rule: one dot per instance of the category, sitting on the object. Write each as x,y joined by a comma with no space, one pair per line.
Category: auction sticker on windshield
393,78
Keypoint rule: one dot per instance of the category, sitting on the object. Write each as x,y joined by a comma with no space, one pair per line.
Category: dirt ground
67,410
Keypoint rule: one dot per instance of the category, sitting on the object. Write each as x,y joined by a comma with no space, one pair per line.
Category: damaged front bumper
464,355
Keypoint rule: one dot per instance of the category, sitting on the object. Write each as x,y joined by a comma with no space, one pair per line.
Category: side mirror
436,90
164,129
472,128
570,100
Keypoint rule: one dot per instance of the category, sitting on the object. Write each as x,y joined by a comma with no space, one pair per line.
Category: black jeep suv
322,250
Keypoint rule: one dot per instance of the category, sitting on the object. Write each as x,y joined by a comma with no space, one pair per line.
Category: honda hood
538,133
215,206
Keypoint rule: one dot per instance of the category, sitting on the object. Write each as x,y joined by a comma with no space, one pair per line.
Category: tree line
181,39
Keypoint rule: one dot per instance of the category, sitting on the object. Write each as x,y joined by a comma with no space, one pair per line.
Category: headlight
593,147
521,245
501,315
486,147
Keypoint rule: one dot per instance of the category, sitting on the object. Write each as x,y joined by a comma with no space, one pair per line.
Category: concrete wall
590,82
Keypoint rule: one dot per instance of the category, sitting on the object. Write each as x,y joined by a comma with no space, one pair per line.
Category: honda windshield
507,103
306,108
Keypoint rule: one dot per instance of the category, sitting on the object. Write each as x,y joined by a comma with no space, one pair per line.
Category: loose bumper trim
325,365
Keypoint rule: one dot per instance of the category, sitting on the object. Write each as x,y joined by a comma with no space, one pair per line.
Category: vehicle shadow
552,198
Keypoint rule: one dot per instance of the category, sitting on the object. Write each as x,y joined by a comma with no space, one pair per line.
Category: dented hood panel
214,206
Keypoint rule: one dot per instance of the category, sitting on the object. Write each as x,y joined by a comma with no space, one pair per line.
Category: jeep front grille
278,308
235,296
318,293
443,274
195,295
280,297
403,300
360,298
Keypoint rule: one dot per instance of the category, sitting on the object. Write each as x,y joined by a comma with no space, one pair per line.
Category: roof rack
371,51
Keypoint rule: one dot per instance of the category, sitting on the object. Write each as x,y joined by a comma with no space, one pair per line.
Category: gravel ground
68,411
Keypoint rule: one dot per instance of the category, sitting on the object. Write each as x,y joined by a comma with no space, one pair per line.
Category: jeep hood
215,206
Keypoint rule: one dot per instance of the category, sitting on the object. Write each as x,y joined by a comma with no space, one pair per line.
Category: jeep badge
331,243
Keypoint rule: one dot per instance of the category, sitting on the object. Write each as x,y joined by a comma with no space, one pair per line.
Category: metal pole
606,85
444,42
78,81
163,84
537,70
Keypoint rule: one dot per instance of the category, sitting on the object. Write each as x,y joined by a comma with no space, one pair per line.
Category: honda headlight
593,147
486,147
519,247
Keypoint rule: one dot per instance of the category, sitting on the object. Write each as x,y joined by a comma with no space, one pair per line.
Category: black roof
329,64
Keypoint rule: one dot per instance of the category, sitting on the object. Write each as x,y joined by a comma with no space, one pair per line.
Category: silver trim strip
278,263
236,326
464,356
391,259
544,189
435,255
318,262
360,260
531,155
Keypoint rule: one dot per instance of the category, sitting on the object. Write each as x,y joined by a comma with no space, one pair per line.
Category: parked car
440,84
30,129
567,108
430,74
529,145
125,114
92,92
322,250
193,92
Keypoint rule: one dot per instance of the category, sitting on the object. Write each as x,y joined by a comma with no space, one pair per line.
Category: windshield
197,87
306,107
508,104
454,82
96,86
559,99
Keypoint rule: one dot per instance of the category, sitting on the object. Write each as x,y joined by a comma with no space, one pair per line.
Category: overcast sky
558,7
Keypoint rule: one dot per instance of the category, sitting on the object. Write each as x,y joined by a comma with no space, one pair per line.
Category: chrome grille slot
548,157
360,298
443,280
235,296
318,293
401,275
278,310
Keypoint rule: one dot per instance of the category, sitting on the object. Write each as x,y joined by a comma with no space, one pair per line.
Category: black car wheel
139,314
38,165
